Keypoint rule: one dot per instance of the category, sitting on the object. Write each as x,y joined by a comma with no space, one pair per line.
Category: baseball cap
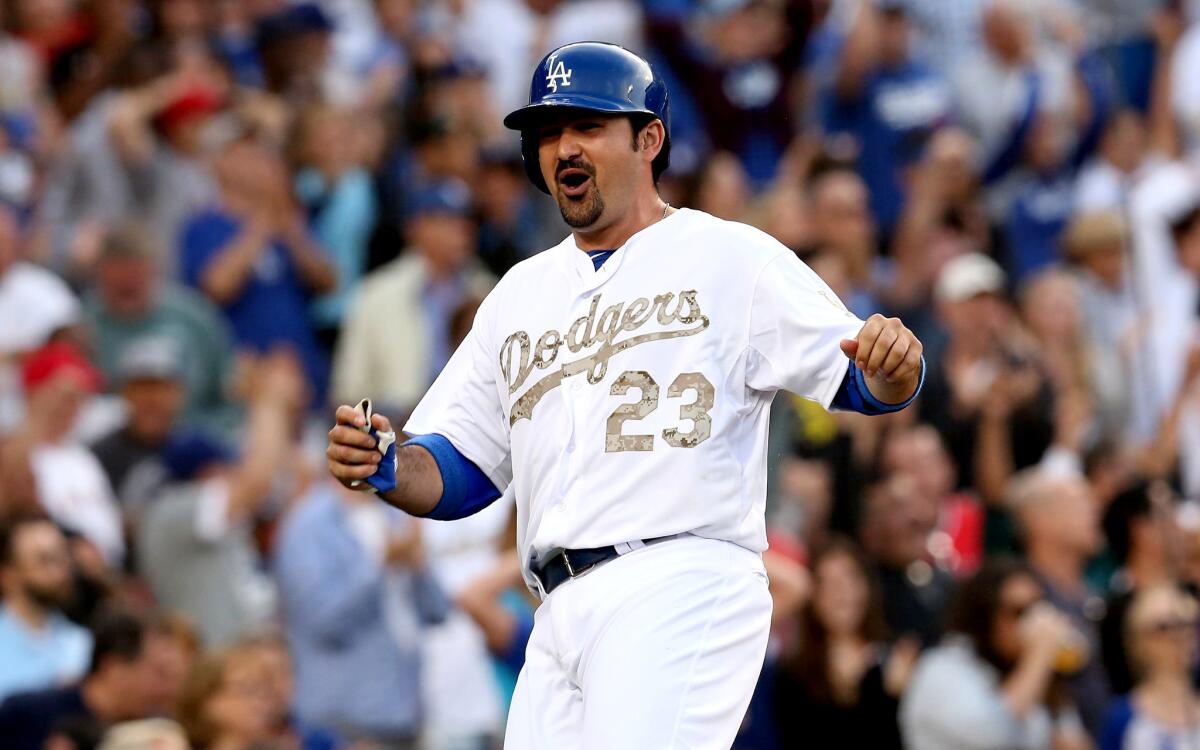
294,20
57,359
967,276
194,103
445,198
187,454
149,358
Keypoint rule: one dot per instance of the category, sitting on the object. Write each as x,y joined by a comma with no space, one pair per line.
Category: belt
566,564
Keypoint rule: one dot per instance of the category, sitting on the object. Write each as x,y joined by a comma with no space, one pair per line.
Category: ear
650,139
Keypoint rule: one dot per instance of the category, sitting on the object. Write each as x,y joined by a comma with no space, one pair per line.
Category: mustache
574,164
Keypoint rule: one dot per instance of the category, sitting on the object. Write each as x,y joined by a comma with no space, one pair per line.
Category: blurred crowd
218,218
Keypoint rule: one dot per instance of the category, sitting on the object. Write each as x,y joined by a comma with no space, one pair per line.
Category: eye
549,133
587,126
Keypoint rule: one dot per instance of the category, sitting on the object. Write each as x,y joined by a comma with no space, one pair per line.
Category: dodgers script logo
521,355
557,74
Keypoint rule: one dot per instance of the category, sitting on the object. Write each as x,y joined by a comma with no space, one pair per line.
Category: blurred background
220,217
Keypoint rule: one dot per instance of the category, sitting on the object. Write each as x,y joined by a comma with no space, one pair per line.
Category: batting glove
384,478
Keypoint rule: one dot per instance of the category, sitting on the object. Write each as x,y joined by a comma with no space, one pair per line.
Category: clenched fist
889,355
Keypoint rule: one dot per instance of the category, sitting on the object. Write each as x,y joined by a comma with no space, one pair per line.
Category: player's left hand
886,351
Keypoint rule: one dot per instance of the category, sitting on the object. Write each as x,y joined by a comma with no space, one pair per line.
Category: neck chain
666,207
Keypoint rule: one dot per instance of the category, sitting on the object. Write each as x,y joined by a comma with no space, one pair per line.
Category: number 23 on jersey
697,411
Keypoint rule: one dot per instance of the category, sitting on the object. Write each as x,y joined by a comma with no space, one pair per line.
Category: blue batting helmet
590,77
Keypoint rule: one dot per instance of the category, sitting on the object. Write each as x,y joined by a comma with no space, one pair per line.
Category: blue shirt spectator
39,647
337,193
888,102
254,257
56,652
354,598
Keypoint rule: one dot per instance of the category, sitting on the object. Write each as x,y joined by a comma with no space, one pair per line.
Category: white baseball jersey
632,401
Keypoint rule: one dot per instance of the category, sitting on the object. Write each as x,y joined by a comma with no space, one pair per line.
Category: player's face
591,166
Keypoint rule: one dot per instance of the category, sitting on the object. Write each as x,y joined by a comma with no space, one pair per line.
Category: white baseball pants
659,649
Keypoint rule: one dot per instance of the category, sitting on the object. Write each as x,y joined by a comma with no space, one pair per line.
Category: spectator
842,223
895,532
985,393
293,46
509,36
67,481
132,301
887,101
1124,159
160,734
458,679
722,187
225,703
990,685
499,604
1051,311
509,228
195,544
741,73
1161,712
1060,527
355,594
1184,102
39,647
152,392
1010,81
842,684
253,255
1095,243
424,285
151,151
335,189
133,674
1144,540
34,305
917,452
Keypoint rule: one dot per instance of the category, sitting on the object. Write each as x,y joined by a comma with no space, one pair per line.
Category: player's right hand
352,454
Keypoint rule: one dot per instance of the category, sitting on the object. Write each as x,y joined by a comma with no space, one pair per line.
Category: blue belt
566,564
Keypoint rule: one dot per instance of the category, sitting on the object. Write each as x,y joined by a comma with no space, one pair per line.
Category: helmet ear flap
532,163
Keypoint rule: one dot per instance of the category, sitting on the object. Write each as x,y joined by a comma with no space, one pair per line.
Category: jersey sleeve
796,325
463,404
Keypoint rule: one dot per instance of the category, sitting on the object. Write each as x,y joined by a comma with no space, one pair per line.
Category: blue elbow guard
466,490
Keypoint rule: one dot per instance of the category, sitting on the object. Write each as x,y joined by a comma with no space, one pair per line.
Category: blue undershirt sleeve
466,490
854,395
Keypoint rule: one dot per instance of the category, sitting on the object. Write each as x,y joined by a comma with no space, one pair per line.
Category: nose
568,145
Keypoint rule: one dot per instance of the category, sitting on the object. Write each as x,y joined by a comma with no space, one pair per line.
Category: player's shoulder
731,244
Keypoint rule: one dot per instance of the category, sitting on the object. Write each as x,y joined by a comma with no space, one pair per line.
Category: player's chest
576,346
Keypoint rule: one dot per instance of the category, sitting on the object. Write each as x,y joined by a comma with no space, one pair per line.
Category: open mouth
574,182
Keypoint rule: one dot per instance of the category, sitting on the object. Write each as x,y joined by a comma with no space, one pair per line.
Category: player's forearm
418,481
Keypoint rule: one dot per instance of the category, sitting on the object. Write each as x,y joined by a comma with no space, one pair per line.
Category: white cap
967,276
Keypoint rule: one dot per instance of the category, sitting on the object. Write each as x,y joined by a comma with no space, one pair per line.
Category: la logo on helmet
557,74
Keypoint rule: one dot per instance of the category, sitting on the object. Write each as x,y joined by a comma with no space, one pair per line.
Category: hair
1126,508
810,661
121,634
638,122
131,240
975,606
10,527
204,680
1130,636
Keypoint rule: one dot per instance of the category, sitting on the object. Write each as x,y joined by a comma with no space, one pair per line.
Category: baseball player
619,386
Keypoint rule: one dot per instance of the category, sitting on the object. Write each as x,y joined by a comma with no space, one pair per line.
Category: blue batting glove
384,478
